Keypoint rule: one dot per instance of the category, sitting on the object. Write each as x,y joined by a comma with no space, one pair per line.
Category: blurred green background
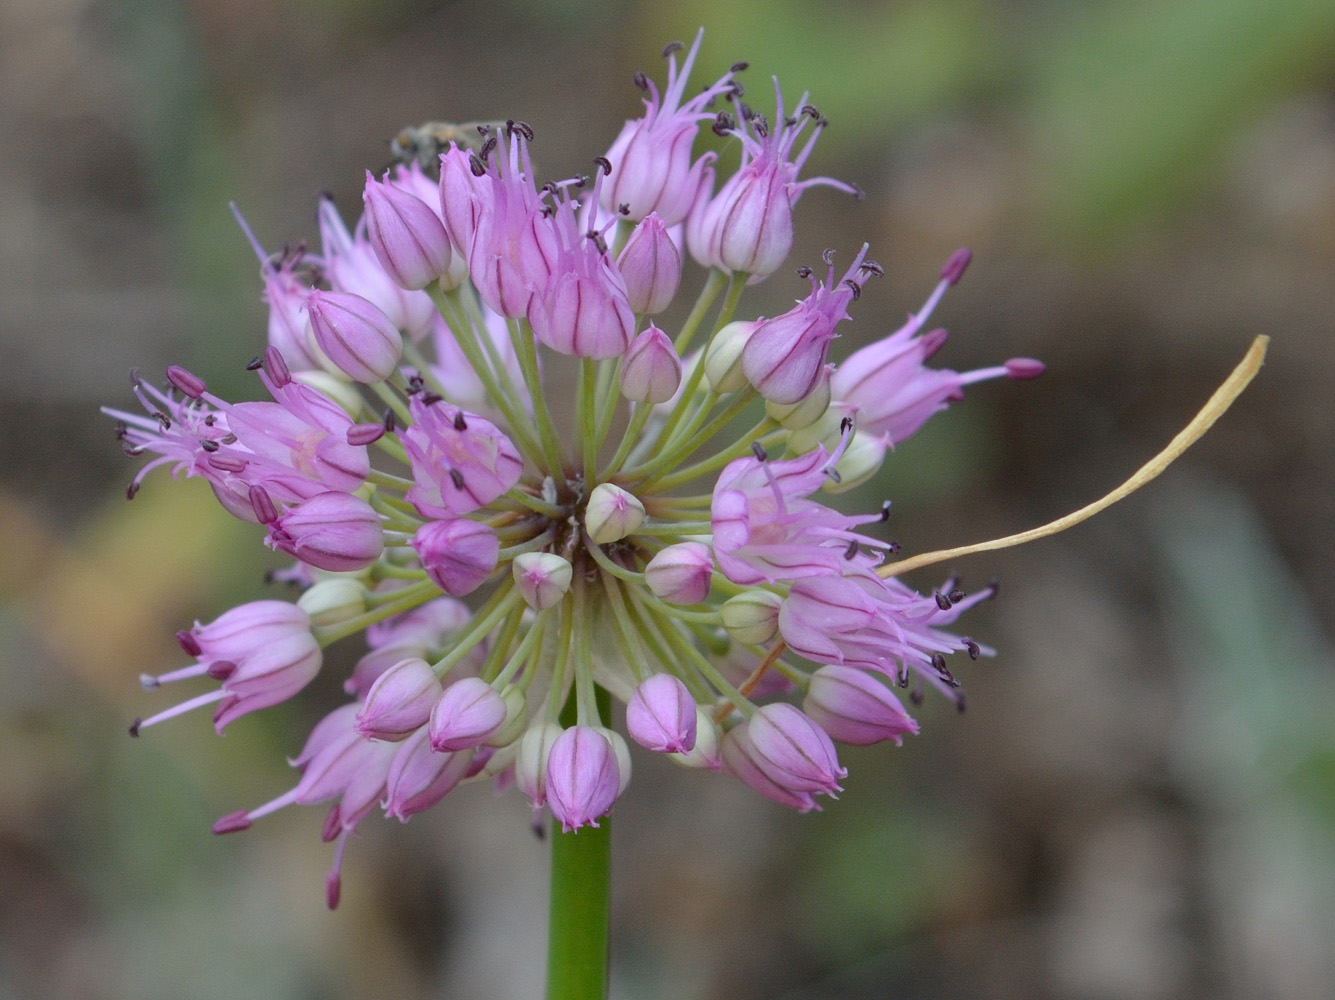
1140,801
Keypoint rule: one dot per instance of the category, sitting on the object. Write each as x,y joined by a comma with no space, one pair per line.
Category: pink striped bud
650,264
468,712
740,760
357,338
854,707
334,531
660,715
400,701
583,777
681,573
457,554
405,234
651,370
793,751
419,776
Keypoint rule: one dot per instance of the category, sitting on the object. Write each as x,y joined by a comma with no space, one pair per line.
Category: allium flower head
501,422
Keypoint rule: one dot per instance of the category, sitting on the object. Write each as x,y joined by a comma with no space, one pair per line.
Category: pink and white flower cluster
415,450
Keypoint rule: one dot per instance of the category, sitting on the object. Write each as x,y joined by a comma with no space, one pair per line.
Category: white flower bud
752,617
723,360
542,577
612,513
334,600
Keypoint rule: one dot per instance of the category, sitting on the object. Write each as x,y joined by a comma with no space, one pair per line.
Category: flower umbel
624,542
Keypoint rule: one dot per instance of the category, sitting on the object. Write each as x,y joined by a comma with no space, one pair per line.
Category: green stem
581,903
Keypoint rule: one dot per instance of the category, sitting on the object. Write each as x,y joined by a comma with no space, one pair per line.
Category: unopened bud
400,701
806,411
705,754
612,513
516,717
650,264
336,387
856,707
357,338
467,714
333,531
335,600
723,359
406,235
660,715
681,573
651,370
861,460
535,748
752,617
457,554
542,578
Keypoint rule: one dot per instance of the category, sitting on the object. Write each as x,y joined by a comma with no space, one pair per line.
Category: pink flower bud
457,554
419,776
739,760
400,701
583,777
793,751
660,715
355,335
612,513
1024,368
334,531
405,233
467,713
681,573
460,198
650,264
854,707
651,370
542,578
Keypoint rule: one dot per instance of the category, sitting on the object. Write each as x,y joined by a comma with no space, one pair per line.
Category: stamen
672,47
431,398
209,445
254,364
738,67
956,596
805,272
389,422
232,823
942,601
220,670
605,163
459,423
885,511
365,434
457,478
188,642
132,490
854,287
854,547
260,501
188,383
759,451
640,80
972,648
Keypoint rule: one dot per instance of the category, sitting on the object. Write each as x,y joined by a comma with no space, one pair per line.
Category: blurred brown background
1140,802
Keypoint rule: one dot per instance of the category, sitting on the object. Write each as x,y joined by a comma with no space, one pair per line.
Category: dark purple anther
190,384
954,269
460,424
457,478
220,670
759,451
134,727
942,601
1023,368
276,367
360,435
187,641
232,823
260,502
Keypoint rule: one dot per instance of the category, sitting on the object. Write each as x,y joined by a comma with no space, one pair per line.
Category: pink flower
766,530
855,707
514,243
651,158
458,554
406,234
469,711
332,531
361,341
262,653
793,751
860,620
651,370
460,461
400,701
350,265
420,776
650,264
887,387
784,357
740,760
681,573
581,308
748,225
